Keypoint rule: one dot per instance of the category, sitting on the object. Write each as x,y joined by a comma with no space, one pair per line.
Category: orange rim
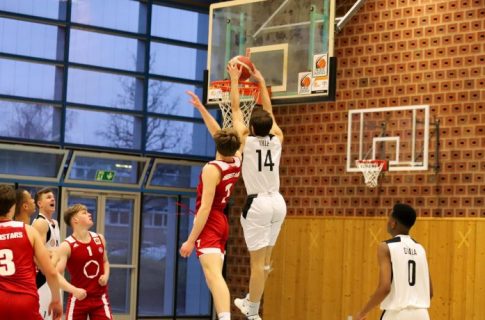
246,88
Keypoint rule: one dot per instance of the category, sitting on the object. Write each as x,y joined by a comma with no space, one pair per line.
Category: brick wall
392,53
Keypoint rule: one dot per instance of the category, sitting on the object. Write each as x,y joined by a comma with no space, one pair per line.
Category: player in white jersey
48,228
404,289
265,208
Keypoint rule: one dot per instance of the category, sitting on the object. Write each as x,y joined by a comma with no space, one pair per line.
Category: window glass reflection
85,168
119,288
176,175
171,98
179,24
170,136
177,61
29,39
157,256
119,229
104,50
27,79
54,9
30,163
103,129
193,297
113,14
103,89
29,121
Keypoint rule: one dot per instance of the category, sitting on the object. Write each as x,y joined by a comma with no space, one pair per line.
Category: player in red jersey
19,244
84,254
211,228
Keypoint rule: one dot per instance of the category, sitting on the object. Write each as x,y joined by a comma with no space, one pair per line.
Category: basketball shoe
243,306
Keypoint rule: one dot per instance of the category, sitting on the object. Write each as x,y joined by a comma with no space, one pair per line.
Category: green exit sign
105,175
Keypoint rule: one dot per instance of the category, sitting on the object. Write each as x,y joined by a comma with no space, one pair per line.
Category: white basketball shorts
44,301
261,219
405,314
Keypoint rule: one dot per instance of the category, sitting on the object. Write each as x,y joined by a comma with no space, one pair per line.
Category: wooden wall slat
327,268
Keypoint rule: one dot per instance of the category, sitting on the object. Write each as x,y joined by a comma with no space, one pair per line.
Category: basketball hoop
248,95
371,170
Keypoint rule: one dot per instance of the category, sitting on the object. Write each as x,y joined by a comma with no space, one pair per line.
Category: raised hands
234,71
195,101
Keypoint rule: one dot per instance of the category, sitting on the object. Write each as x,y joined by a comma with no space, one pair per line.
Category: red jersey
86,264
17,268
230,172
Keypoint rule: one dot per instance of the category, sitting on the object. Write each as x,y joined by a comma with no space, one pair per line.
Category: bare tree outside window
162,135
30,121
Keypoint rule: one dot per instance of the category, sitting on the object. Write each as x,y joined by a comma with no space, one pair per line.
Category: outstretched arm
237,115
209,120
266,101
210,178
384,286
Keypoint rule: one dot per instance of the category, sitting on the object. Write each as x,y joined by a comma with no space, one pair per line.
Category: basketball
246,64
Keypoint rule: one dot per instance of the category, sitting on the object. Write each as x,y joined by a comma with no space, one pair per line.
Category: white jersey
410,287
261,164
53,240
53,234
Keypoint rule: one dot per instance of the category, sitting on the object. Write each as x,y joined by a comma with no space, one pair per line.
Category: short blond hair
72,211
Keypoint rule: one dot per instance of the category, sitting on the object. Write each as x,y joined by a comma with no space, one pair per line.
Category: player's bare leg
258,278
212,265
267,263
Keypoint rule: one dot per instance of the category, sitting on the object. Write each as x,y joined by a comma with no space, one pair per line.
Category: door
116,216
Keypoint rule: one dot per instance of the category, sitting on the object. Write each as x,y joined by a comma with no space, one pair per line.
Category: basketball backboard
397,134
289,41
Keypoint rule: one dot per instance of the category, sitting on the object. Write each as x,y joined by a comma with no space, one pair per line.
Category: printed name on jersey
263,143
410,251
12,235
231,175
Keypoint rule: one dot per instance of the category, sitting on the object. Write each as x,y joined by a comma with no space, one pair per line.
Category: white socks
253,307
224,316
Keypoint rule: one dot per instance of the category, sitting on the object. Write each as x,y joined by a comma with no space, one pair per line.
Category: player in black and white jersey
404,289
265,208
48,229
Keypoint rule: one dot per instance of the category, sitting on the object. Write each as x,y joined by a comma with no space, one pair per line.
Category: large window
105,50
113,14
28,79
179,24
103,85
30,121
160,292
43,38
42,8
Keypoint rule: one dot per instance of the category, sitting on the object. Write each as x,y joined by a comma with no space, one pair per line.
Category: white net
371,170
246,105
248,95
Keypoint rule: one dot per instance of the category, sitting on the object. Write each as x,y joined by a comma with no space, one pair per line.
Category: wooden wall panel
326,268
